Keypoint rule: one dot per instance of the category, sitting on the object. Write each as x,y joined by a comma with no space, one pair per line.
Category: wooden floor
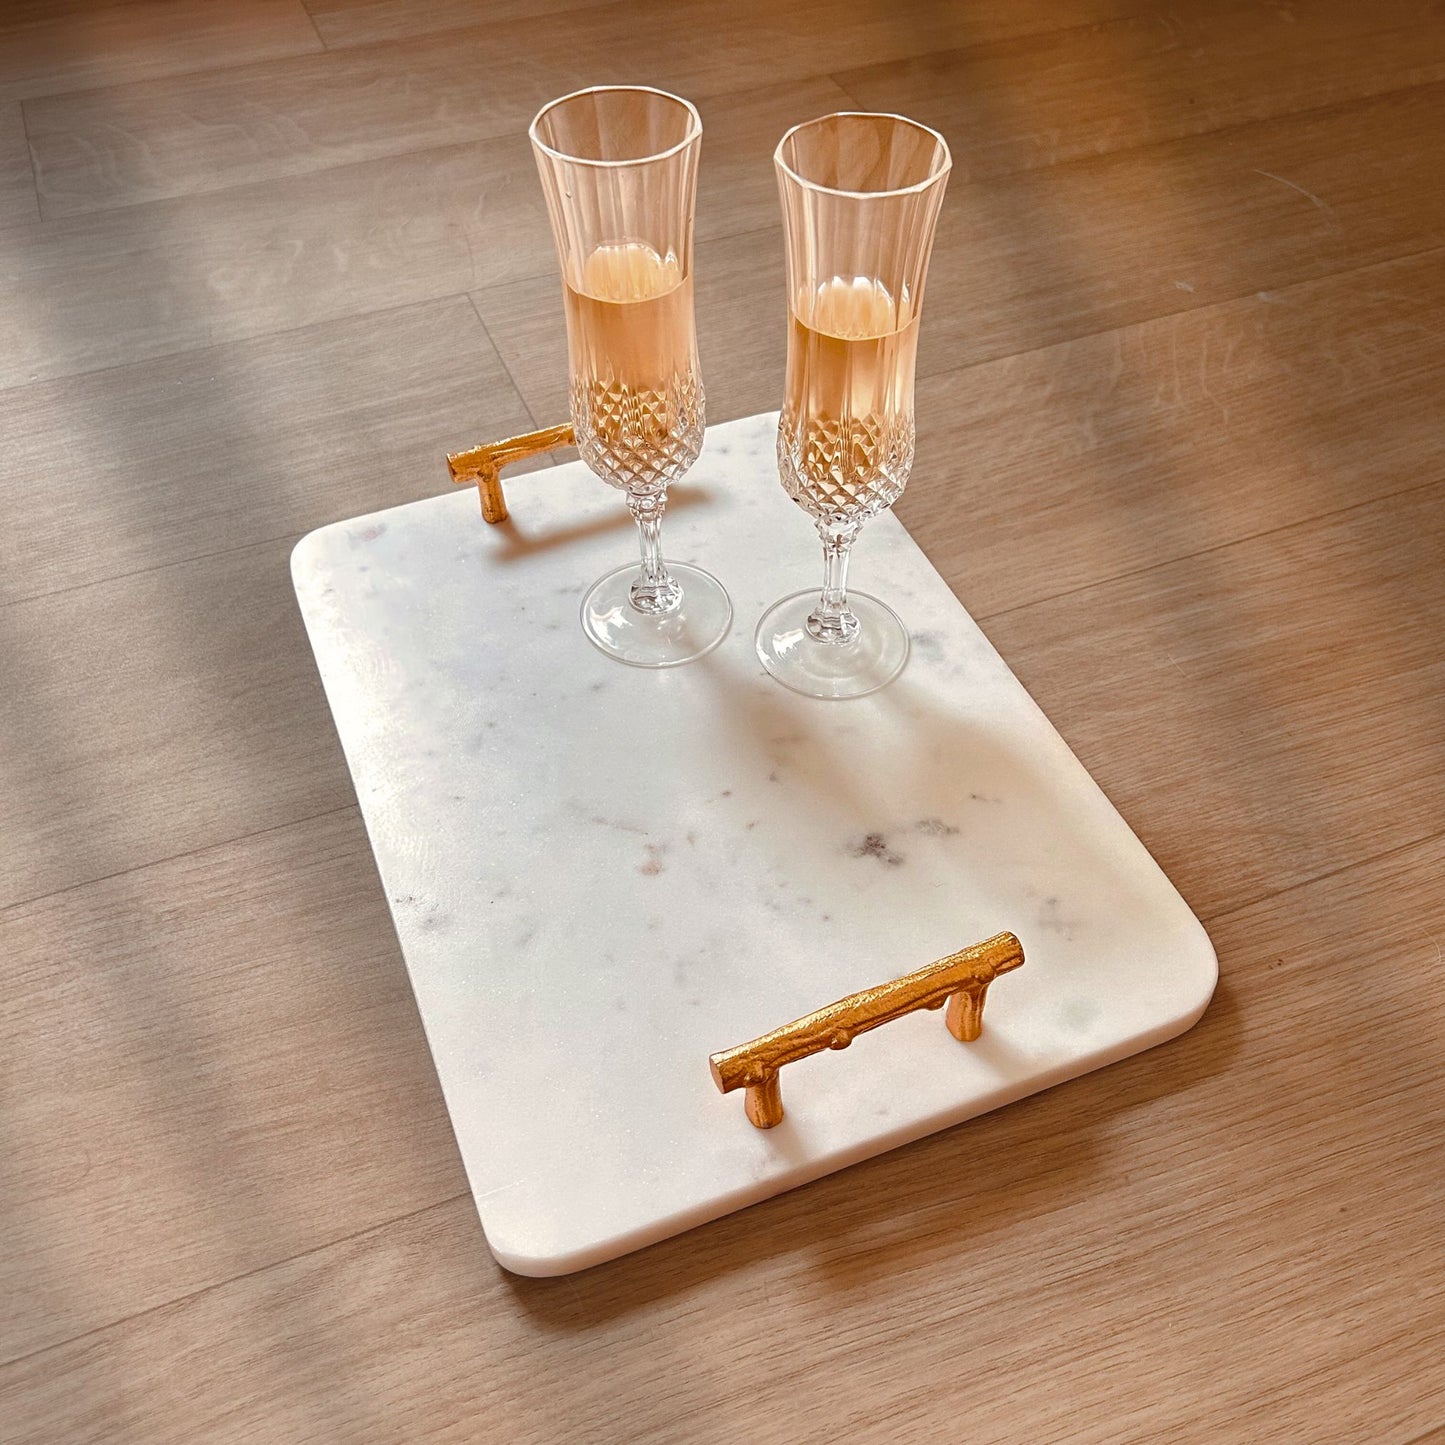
1182,452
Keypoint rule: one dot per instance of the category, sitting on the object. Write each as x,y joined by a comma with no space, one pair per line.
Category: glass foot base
700,622
832,669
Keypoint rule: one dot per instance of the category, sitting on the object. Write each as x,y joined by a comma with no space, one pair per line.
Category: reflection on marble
601,875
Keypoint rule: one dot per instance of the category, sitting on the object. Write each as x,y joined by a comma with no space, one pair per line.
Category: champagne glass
860,195
619,170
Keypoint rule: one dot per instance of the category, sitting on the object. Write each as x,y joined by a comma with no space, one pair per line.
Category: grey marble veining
599,875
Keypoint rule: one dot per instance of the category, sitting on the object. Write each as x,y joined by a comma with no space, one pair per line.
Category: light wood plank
147,465
116,287
1099,1263
1174,71
1021,262
222,1067
1041,473
52,49
153,714
19,200
365,22
134,143
102,291
360,22
1264,712
1028,259
38,12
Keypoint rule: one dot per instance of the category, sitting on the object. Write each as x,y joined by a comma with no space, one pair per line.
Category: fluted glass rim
694,127
917,188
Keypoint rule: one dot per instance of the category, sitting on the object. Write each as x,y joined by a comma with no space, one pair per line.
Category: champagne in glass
619,171
636,393
845,442
861,195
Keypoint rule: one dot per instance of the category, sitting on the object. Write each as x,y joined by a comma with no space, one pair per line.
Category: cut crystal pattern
845,471
639,439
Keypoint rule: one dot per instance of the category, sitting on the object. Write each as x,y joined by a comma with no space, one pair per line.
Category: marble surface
600,875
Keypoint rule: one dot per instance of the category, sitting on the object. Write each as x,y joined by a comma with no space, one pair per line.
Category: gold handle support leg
964,1015
763,1103
961,980
483,465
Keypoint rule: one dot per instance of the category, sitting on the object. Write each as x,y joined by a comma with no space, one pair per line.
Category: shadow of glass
994,798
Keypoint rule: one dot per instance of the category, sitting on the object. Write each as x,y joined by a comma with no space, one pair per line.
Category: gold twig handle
483,465
961,980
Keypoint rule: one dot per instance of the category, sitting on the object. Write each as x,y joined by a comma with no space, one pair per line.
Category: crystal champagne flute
619,170
860,196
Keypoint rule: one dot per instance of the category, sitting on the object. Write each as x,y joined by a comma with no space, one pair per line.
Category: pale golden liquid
637,402
845,441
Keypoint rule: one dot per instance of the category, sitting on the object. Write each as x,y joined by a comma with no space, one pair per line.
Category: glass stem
830,620
654,592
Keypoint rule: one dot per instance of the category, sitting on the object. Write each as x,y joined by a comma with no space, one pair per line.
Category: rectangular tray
599,875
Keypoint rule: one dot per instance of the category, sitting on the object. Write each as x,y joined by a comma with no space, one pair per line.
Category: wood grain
1180,435
49,49
143,466
133,143
1159,75
359,22
172,276
1032,258
148,281
1179,447
129,143
211,1044
19,200
364,22
157,713
1107,1256
1021,262
1288,687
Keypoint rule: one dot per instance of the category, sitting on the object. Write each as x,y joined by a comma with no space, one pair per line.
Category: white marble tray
601,875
